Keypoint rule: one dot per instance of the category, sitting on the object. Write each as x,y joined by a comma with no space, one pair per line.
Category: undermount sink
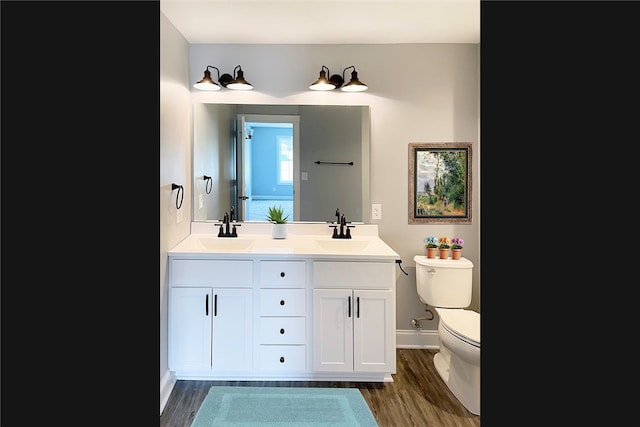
342,245
227,243
284,246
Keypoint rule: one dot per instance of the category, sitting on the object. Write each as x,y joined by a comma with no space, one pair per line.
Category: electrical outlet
200,200
376,211
178,216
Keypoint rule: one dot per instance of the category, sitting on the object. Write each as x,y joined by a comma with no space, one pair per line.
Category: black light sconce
336,81
354,84
235,82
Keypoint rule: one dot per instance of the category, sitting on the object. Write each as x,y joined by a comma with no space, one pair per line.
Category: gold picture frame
440,183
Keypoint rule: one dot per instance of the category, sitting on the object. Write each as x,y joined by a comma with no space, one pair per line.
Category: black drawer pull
281,359
282,331
281,302
282,274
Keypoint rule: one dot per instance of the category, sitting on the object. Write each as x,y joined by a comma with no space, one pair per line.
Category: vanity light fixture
238,83
207,82
323,83
235,82
354,84
336,81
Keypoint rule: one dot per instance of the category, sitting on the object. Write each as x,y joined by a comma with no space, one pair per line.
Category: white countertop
303,240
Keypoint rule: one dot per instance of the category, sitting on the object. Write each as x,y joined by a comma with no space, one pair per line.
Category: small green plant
274,214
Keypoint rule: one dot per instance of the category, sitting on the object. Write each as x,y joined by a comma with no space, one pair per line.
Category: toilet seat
463,324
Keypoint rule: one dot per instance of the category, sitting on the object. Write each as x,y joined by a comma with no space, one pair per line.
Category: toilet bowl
446,286
458,360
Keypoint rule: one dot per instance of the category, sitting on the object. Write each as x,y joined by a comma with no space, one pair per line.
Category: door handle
243,197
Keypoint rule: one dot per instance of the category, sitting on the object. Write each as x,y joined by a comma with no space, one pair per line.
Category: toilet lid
464,323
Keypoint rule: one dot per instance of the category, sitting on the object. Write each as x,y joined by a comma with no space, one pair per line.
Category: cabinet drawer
282,358
369,275
282,330
195,272
282,274
282,302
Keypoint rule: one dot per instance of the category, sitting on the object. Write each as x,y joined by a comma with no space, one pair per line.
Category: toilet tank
444,282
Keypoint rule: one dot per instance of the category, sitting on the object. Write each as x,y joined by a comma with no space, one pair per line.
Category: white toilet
445,285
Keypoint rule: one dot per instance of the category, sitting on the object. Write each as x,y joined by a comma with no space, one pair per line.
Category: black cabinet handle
281,331
215,305
349,306
358,307
206,305
282,274
281,302
281,359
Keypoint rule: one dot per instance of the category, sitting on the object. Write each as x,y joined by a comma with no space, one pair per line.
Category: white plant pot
279,231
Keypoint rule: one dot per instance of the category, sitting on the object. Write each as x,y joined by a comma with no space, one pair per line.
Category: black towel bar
318,162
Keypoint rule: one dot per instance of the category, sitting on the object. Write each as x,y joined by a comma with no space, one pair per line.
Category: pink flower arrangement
457,243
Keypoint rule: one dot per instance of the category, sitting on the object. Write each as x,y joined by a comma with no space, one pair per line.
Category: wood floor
417,397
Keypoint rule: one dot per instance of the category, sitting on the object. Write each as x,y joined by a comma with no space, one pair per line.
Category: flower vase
444,253
432,252
456,253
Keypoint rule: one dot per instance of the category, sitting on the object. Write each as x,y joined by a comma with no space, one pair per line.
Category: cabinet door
190,329
374,345
332,330
232,329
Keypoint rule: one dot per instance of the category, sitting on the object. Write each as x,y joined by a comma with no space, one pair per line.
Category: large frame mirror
309,159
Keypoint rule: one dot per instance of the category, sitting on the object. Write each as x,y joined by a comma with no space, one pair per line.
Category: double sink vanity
307,307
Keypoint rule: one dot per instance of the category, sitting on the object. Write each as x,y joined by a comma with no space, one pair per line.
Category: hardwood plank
417,397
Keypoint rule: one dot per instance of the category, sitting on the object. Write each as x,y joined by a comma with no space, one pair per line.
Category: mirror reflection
309,159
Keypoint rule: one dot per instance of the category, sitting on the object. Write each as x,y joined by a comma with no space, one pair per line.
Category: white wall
175,155
417,93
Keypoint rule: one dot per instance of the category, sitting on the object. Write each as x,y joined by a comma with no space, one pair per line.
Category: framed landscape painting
440,183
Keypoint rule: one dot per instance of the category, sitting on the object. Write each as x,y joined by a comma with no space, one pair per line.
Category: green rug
283,406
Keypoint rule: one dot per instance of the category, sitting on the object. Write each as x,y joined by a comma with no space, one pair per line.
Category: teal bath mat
283,406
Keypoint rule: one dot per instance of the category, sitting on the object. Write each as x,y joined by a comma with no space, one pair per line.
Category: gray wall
175,143
211,155
417,93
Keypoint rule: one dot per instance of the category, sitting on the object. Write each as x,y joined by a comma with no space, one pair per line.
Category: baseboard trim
166,387
417,338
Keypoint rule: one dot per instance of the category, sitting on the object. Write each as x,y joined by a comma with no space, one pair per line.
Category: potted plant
444,243
431,244
456,247
276,216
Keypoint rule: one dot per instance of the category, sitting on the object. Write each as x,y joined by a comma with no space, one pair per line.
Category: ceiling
325,22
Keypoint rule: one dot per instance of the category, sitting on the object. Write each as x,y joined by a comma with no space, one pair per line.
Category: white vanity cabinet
354,317
210,315
281,323
307,307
